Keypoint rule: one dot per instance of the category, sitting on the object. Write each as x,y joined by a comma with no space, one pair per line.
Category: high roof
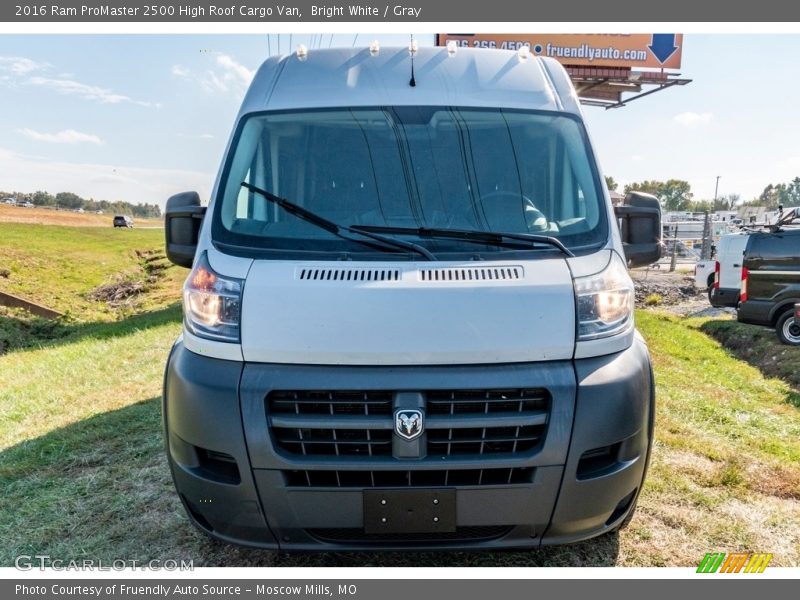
355,77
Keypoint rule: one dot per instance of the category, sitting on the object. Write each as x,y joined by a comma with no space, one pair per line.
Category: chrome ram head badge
408,423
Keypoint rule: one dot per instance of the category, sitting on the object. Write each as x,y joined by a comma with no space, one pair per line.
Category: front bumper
232,478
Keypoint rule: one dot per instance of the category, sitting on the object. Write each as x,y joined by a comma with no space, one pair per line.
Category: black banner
387,589
446,11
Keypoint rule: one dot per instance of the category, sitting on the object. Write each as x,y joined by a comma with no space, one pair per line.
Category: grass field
82,471
69,218
62,268
757,346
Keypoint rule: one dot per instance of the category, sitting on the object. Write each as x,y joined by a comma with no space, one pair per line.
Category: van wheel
710,288
788,329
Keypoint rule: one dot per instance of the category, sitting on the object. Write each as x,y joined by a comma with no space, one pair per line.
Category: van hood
408,313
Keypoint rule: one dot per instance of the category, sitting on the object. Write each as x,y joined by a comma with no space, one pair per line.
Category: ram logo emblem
408,423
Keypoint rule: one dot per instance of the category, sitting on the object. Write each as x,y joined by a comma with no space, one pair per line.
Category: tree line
70,201
676,194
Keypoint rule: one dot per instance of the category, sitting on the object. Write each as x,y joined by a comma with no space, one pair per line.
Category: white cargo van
409,322
728,269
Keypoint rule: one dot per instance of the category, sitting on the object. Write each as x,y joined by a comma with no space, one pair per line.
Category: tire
710,287
787,329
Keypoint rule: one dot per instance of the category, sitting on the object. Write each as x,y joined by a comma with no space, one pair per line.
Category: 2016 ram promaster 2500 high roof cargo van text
409,321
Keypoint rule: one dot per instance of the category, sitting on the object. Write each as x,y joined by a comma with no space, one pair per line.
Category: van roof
355,77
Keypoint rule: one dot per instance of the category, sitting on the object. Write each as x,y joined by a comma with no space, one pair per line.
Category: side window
768,246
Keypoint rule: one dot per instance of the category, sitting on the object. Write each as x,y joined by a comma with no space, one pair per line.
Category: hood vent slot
344,274
498,273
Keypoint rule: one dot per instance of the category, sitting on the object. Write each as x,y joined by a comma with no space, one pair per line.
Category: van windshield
498,170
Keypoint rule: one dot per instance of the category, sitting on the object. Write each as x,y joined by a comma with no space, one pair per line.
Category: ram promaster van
409,322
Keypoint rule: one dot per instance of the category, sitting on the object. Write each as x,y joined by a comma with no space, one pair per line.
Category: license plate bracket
410,511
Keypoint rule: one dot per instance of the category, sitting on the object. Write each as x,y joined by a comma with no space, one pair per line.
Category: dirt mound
118,292
124,288
664,289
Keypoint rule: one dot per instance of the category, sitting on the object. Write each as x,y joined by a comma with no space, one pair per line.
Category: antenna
412,50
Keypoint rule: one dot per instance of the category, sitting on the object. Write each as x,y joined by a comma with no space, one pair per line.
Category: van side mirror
182,219
640,226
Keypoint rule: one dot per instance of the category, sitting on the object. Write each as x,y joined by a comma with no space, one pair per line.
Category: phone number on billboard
508,45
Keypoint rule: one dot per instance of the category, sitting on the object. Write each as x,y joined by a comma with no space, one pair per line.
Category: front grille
486,440
450,402
408,478
497,422
461,534
330,403
334,442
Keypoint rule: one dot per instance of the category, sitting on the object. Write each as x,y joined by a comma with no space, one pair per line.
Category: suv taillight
745,277
716,275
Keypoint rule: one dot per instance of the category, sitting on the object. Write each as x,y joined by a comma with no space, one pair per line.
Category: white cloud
213,83
235,70
689,119
19,65
69,87
180,71
68,136
227,76
16,70
108,182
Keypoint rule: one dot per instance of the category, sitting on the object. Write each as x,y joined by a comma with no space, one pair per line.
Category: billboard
647,50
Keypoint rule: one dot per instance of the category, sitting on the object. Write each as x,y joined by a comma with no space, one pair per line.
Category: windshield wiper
323,223
494,238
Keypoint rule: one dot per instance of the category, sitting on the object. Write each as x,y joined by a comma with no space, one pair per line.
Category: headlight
605,301
212,303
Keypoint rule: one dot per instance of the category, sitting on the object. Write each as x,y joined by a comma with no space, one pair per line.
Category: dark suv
771,282
123,221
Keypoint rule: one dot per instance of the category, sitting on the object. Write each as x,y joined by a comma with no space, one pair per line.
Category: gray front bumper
219,406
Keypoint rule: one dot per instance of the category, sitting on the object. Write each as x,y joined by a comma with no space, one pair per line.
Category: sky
140,117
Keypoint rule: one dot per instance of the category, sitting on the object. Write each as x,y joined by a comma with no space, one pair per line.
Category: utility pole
674,250
705,252
716,189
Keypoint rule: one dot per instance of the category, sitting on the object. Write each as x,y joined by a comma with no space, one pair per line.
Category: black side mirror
640,226
182,220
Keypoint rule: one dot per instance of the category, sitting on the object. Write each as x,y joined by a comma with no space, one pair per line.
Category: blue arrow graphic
663,46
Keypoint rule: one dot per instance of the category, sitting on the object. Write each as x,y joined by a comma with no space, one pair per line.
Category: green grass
82,471
757,346
60,266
